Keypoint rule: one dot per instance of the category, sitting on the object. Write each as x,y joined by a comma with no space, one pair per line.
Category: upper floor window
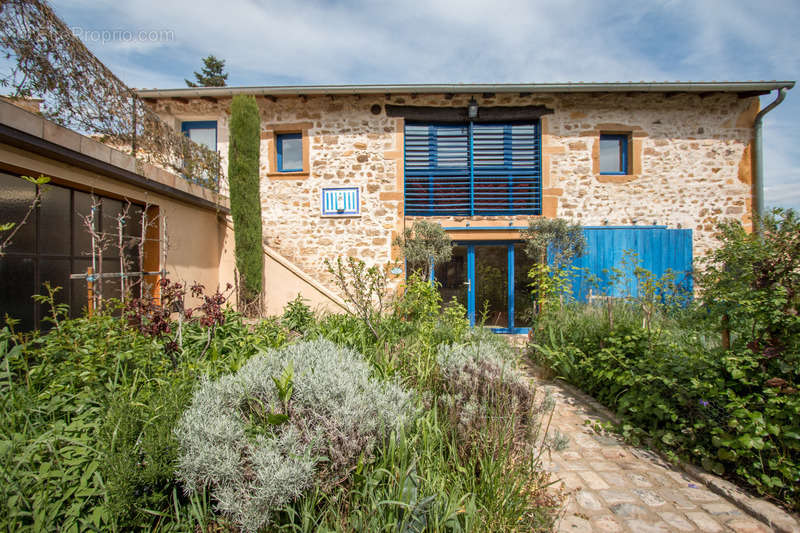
288,149
289,152
203,132
473,169
614,154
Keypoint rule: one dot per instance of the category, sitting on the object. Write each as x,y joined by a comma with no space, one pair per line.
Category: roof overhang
748,88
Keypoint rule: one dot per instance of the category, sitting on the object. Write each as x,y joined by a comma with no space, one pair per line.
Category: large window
55,243
472,169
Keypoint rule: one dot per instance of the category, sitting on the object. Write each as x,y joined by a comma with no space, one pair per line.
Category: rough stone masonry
691,164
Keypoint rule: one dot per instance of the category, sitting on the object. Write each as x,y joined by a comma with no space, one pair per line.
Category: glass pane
57,272
78,296
204,136
452,277
112,210
611,155
132,232
291,152
54,220
133,224
523,293
16,197
17,285
491,303
82,208
110,286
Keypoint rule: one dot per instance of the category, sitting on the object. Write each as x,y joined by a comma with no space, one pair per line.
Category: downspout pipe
758,160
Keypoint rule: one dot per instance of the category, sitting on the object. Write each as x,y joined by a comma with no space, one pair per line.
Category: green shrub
423,244
480,382
140,450
87,417
297,316
752,284
674,386
243,177
287,420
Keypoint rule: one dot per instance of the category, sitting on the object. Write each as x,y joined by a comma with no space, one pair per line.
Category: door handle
468,283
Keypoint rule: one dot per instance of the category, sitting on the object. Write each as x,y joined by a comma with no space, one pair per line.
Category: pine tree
212,74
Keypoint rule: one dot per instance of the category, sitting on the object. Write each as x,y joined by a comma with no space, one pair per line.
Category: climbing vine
45,60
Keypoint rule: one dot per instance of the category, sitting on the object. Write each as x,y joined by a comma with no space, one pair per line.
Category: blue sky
280,42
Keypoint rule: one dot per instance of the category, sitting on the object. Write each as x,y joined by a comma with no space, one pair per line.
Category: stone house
644,166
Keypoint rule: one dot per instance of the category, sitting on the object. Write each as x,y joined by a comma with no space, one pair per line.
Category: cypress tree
243,177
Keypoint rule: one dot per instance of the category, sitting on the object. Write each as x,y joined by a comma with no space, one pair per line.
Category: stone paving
611,486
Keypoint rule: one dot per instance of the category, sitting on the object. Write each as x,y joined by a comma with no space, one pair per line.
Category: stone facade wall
691,165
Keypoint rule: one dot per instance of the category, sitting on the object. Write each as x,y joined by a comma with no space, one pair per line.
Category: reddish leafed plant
153,318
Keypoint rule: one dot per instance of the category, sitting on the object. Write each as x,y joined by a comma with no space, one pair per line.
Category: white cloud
268,42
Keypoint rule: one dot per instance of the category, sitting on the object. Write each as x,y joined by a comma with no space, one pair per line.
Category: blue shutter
475,169
436,169
507,173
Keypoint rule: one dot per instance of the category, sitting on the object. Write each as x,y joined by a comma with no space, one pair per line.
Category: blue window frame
203,132
289,149
472,284
614,153
473,169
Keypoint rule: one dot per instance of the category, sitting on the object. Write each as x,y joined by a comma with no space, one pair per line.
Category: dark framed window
614,154
55,243
473,169
289,148
203,132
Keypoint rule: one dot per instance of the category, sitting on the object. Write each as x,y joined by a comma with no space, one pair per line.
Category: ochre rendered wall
199,244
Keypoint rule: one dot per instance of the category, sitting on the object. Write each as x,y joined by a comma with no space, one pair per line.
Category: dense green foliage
734,410
90,410
243,178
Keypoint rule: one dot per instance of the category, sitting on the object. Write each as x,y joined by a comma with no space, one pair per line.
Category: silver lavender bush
287,420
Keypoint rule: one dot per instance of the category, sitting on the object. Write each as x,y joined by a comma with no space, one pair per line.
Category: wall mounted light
472,109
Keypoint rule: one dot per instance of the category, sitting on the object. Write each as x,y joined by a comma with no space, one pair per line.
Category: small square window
289,148
613,153
203,132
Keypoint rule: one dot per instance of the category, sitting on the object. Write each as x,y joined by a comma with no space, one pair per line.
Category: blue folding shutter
472,170
436,169
506,169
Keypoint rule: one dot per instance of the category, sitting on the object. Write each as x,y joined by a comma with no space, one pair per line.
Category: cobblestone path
612,486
